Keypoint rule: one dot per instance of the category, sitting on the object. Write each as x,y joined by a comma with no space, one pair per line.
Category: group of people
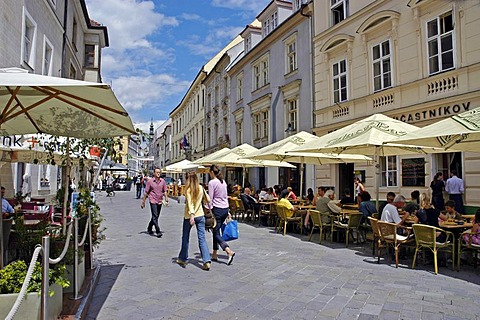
195,199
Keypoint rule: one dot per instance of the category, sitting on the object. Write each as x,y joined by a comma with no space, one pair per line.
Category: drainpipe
64,42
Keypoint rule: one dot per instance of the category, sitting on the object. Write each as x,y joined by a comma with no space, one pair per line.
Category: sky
158,47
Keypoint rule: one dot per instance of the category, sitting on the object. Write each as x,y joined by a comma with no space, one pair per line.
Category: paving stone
272,277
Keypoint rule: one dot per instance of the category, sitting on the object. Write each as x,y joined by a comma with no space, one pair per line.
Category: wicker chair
354,220
318,222
283,219
234,209
269,211
377,239
389,236
426,237
467,245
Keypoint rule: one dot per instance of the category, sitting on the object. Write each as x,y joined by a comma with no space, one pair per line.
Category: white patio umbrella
367,137
182,166
457,133
31,103
236,157
207,159
282,151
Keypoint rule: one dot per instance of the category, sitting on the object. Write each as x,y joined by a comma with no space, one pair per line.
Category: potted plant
11,280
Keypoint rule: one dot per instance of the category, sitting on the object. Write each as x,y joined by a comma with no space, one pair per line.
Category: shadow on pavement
108,276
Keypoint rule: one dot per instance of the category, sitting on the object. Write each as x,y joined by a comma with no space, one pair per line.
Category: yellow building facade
416,61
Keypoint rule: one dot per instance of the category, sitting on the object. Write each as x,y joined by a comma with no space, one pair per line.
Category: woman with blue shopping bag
217,190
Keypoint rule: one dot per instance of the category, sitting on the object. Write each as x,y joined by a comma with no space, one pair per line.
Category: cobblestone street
272,276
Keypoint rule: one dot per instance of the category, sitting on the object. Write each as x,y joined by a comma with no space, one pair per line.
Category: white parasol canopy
460,132
182,166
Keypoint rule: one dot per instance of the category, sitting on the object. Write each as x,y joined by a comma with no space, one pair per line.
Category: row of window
29,41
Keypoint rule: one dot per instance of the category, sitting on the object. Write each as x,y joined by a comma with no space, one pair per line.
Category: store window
389,173
413,172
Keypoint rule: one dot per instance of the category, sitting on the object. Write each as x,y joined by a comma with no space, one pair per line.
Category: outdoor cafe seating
426,238
284,218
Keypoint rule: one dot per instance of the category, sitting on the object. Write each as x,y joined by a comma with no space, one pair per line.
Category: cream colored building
188,118
417,61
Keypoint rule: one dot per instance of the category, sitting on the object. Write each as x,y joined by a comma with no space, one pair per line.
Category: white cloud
147,91
145,126
255,6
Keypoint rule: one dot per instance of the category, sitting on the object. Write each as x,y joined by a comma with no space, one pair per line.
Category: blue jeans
220,215
202,242
155,210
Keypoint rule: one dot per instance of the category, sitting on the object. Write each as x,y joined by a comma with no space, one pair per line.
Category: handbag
230,229
210,221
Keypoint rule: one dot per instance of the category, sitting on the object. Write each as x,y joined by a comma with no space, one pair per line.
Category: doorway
446,162
345,178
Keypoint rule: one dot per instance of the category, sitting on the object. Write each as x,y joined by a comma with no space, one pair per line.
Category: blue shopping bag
230,230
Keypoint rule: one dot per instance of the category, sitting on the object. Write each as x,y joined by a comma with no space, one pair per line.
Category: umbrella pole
1,230
66,185
301,177
377,177
243,176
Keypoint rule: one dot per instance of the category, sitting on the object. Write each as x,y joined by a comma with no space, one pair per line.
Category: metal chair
465,243
377,239
389,236
426,237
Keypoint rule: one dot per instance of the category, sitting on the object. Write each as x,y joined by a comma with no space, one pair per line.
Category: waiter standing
455,189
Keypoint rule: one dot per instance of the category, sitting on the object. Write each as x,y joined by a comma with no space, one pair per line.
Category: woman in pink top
217,190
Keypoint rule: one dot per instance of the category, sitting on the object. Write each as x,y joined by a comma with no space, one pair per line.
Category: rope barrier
84,234
26,282
65,248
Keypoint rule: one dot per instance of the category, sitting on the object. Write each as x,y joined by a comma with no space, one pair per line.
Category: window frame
92,54
47,45
260,73
339,77
438,38
386,172
291,66
292,114
240,87
334,4
27,52
381,59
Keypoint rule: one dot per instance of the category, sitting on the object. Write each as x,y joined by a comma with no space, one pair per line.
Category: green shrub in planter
13,275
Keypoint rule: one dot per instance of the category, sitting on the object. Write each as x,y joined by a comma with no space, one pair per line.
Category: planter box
31,304
81,275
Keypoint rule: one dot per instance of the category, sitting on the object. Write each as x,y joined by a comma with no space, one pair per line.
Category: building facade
271,86
416,61
53,38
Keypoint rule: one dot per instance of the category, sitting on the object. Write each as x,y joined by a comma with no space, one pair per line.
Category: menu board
413,172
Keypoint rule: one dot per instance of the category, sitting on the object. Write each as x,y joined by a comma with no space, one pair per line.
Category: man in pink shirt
155,189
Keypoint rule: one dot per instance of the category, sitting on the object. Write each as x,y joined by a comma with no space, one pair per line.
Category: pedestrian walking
217,190
155,190
455,189
194,194
438,185
138,185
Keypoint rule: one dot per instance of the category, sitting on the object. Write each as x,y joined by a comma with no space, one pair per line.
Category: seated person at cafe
390,197
320,194
428,215
236,191
475,229
450,211
291,194
263,193
310,195
249,201
7,208
270,195
284,202
415,195
365,205
347,198
390,212
325,205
